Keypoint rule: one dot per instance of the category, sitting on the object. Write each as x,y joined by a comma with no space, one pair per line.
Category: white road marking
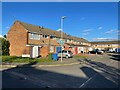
87,81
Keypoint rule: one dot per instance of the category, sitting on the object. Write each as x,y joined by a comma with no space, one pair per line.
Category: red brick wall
66,47
44,50
17,37
27,50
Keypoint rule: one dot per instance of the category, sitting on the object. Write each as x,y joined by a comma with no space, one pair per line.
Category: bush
4,46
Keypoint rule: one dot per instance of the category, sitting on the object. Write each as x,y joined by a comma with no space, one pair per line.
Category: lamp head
63,17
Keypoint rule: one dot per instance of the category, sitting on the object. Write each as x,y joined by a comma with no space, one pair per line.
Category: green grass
8,58
15,59
79,56
43,59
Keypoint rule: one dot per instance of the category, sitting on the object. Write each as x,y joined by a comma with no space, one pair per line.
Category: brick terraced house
105,45
29,40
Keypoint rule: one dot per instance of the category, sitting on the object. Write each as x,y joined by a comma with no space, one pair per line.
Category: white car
65,53
101,51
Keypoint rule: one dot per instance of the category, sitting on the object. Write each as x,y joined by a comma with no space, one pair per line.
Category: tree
4,46
5,36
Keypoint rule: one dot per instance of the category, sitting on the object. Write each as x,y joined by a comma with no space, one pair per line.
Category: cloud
87,30
100,28
99,38
110,31
59,29
7,27
85,33
102,39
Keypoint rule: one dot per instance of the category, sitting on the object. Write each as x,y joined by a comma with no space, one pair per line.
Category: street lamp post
62,19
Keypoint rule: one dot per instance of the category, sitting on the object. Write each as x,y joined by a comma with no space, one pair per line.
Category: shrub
4,46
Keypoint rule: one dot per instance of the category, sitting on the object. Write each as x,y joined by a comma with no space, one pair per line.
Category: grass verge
15,59
80,56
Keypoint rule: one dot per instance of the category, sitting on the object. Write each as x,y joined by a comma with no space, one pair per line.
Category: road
12,81
98,71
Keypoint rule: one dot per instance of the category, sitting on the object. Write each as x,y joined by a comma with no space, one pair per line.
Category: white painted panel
90,48
80,49
25,55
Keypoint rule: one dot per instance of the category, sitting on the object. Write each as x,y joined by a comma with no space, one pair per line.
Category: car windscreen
69,52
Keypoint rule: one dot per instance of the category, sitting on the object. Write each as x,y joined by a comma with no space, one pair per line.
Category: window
34,36
52,37
69,52
65,51
31,36
45,36
51,48
58,39
67,41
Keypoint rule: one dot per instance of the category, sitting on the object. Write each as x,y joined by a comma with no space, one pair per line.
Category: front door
35,52
58,49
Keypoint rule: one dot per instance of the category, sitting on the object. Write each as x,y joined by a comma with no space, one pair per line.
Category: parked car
65,53
117,50
96,51
103,51
111,51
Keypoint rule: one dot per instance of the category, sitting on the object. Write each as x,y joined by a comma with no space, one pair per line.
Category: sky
90,20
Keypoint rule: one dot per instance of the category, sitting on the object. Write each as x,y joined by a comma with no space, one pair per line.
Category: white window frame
34,36
51,49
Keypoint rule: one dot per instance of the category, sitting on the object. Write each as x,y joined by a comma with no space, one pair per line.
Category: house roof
77,45
46,31
38,29
79,39
106,42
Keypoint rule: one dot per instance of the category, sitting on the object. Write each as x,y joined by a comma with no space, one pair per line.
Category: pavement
70,61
